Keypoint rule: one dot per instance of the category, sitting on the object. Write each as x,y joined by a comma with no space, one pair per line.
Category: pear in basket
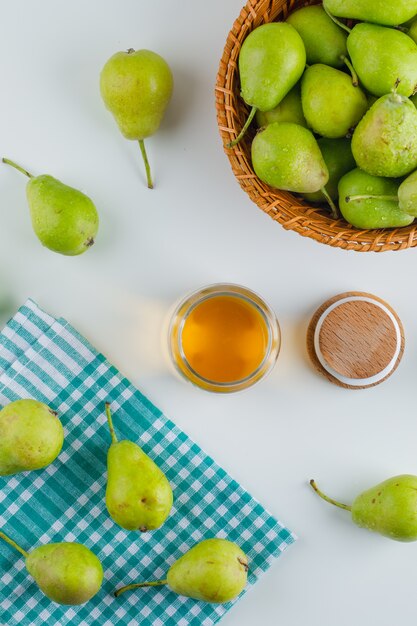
271,61
287,156
387,12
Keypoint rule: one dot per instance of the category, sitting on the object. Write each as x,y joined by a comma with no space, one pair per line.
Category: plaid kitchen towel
45,358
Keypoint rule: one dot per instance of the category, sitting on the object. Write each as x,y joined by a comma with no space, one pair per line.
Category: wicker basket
289,210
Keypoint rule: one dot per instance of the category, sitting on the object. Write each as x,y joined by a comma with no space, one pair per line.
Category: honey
223,338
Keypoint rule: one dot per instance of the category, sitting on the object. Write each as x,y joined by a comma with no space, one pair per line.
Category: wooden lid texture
356,340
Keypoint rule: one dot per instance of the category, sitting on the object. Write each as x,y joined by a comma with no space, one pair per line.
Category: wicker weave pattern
290,211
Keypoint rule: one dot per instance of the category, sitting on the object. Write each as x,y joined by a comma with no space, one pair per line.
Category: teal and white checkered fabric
45,358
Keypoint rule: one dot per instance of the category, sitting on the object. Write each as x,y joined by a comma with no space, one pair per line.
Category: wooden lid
356,340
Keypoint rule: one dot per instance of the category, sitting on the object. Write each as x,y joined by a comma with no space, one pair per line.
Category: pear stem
147,166
137,585
13,544
233,143
336,21
17,167
346,507
110,421
346,61
370,197
335,212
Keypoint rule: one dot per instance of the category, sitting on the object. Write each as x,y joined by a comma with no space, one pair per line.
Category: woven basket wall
287,209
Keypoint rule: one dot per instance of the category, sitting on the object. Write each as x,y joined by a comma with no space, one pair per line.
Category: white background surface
198,227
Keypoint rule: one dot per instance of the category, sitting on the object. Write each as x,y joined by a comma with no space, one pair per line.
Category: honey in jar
224,338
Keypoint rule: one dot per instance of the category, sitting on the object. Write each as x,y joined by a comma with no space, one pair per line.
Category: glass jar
223,338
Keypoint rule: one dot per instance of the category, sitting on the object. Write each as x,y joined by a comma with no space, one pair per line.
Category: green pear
138,494
388,12
384,142
214,570
324,41
67,573
332,105
136,87
337,155
289,110
367,201
64,219
271,61
286,156
389,508
404,198
407,194
384,59
31,436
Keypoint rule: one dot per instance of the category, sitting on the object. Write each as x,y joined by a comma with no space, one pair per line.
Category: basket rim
291,211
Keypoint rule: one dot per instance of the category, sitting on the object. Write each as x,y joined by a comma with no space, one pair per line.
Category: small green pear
367,201
64,219
324,41
136,87
384,142
384,59
138,494
403,197
214,570
332,105
286,156
337,155
31,436
388,12
67,573
389,508
288,110
407,194
271,61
